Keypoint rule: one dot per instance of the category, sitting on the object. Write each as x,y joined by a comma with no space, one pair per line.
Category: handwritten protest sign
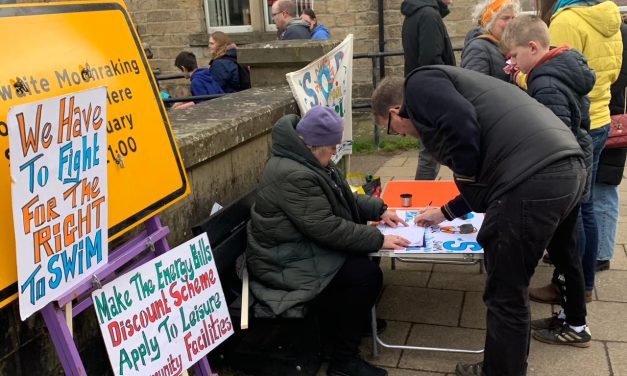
59,193
328,81
164,316
58,48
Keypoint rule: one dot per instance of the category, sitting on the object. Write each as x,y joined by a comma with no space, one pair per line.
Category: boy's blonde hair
524,29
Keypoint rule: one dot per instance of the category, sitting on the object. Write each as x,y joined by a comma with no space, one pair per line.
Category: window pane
227,12
300,4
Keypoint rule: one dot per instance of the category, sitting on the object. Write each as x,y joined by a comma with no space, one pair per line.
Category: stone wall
224,144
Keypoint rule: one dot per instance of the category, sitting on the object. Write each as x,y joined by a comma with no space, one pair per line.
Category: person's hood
604,17
205,73
320,27
409,7
569,66
472,34
286,142
297,21
231,52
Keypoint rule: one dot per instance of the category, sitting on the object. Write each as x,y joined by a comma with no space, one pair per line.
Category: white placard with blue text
59,193
164,316
328,81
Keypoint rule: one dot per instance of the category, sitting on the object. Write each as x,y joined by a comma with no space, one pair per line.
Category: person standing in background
223,64
610,174
593,29
482,52
318,31
289,26
426,42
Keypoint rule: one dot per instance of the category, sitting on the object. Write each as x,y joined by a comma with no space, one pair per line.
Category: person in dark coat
513,159
289,26
426,42
223,64
308,239
482,52
560,79
610,174
202,80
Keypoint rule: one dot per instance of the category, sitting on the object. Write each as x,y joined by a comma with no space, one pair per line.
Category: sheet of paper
415,234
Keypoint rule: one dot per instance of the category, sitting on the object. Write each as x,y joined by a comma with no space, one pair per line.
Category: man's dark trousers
518,226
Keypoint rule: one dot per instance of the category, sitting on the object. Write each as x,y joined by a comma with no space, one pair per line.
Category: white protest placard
328,81
164,316
58,168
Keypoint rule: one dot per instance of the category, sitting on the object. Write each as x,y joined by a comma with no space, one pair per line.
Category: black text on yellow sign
61,48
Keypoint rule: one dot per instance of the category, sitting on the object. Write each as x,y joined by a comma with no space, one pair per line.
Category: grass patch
387,145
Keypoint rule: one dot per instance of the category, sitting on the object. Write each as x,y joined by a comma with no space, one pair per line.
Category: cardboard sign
328,81
61,48
59,190
164,316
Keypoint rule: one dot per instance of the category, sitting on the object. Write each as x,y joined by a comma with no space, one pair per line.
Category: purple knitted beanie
321,126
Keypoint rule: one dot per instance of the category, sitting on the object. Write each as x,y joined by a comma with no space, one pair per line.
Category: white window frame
226,29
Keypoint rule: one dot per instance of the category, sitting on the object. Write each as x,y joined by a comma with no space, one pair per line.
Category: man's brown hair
287,6
388,94
524,29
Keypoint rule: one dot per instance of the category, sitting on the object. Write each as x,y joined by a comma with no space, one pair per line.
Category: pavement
441,306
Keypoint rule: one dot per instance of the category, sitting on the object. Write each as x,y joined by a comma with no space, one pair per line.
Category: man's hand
395,242
391,219
429,216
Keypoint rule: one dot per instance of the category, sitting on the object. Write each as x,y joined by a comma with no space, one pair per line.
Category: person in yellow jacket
592,27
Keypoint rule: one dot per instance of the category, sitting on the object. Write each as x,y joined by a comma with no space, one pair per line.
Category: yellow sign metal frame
58,48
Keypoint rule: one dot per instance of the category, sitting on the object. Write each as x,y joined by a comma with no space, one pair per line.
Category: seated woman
223,64
308,239
482,52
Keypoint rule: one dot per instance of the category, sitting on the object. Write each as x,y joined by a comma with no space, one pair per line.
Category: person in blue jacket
202,80
318,31
223,64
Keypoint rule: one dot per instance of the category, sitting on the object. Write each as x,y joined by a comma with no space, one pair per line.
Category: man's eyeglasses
391,131
279,12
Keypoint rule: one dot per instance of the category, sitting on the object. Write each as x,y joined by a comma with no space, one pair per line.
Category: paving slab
396,332
555,360
447,268
420,305
611,286
618,360
619,260
406,278
395,162
607,321
408,372
457,281
441,336
541,277
386,264
397,171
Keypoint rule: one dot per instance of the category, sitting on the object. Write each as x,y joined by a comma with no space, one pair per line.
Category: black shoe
549,323
547,259
381,326
564,335
602,265
469,369
354,367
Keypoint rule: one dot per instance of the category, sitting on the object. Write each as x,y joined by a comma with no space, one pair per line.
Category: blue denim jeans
428,167
588,231
606,205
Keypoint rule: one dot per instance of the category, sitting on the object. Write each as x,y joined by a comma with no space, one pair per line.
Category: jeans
588,228
518,226
606,206
428,167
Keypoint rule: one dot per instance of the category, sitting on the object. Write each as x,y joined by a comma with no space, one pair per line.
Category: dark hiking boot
469,369
548,323
564,335
548,294
354,367
602,265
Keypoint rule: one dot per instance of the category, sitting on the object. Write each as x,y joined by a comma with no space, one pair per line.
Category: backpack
244,74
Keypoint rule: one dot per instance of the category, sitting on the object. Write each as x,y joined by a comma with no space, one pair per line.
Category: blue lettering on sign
460,245
310,91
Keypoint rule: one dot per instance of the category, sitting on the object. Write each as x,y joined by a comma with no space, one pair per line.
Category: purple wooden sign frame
153,238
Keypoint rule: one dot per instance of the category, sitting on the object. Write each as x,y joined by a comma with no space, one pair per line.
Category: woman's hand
395,242
391,219
429,216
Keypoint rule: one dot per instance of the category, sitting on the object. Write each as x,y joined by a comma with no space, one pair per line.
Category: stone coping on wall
291,51
210,128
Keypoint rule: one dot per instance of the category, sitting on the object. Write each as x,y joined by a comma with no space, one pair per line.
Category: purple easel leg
63,341
161,246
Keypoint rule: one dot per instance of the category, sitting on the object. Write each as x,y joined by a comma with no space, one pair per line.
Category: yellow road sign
58,48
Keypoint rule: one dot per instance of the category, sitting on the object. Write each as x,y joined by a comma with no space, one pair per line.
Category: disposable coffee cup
406,199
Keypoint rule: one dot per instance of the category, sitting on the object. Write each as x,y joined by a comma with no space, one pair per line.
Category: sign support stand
152,238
